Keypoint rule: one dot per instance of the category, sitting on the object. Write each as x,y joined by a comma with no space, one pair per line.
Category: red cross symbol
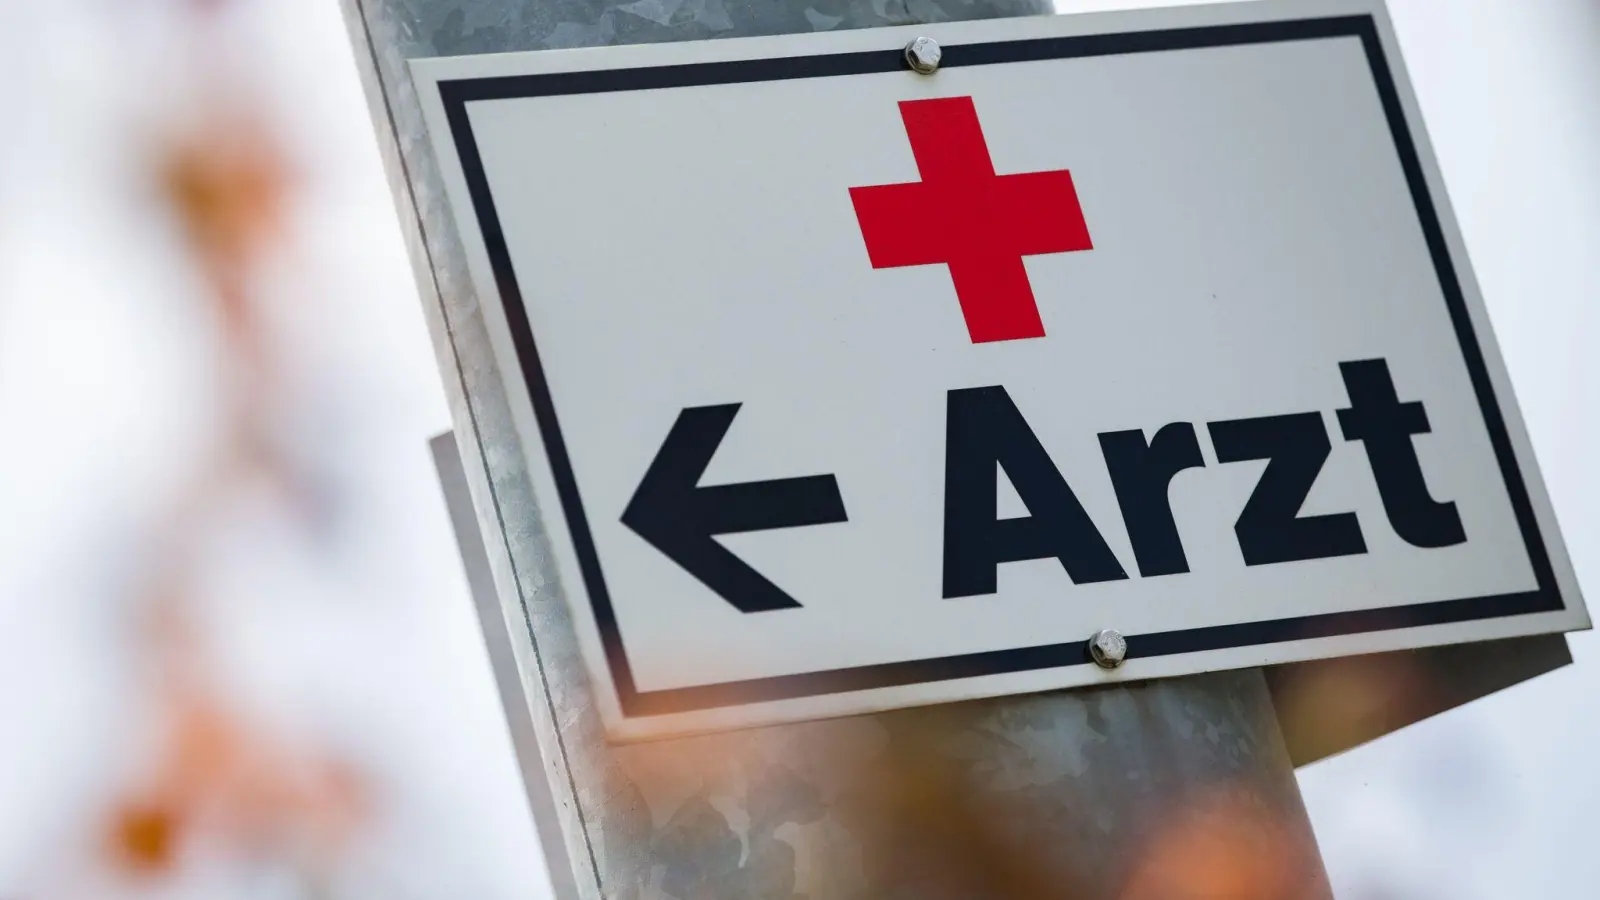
965,216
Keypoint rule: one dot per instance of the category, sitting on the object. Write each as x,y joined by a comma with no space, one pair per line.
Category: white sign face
847,388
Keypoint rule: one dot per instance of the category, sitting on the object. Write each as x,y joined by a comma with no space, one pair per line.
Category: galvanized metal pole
1146,792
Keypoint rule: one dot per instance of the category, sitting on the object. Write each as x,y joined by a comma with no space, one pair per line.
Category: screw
1109,648
923,55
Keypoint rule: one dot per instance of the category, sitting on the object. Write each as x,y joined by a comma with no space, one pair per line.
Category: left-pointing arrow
681,519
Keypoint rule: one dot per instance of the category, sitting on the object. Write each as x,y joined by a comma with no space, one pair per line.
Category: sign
865,388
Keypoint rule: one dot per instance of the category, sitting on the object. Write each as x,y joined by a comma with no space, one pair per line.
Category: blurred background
237,653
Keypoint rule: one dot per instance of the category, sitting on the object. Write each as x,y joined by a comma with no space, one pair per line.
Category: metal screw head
923,55
1109,648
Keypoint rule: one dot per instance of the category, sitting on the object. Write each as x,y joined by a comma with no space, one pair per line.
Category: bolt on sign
856,371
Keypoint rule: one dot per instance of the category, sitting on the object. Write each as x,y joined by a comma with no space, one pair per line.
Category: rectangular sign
847,387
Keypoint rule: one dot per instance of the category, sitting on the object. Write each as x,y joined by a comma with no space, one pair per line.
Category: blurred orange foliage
1223,845
217,781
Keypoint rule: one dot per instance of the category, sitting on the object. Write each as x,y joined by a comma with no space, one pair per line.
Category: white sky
1501,798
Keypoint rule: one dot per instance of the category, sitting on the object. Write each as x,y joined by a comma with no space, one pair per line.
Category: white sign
847,388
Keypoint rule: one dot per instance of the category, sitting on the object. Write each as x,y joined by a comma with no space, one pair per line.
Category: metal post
1160,791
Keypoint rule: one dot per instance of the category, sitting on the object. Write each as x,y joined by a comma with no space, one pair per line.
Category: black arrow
680,518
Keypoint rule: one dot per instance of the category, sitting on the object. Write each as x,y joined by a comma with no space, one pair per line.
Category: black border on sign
458,93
